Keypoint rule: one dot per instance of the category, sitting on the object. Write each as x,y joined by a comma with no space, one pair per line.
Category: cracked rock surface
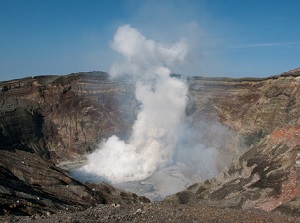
48,121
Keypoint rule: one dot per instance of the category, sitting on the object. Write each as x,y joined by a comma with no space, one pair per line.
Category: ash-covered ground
158,212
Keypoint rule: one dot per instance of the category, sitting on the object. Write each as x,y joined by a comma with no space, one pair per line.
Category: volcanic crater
48,123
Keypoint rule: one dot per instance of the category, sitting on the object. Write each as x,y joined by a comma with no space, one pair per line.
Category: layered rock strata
266,113
49,120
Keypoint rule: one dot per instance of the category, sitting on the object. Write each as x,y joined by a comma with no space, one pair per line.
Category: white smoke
163,101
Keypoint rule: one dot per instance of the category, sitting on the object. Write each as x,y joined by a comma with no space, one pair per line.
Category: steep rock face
265,177
251,108
64,117
266,113
48,119
61,118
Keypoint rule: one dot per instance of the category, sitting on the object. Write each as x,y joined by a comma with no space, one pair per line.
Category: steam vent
235,151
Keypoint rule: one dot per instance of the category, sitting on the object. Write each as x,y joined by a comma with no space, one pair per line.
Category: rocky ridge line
47,120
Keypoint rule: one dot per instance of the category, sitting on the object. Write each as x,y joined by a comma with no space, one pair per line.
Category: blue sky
234,38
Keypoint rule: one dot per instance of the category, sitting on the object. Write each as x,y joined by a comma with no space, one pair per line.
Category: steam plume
163,101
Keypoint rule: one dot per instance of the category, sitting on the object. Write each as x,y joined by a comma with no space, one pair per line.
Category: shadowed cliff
47,120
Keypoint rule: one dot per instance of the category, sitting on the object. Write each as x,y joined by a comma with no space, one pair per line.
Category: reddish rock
265,116
52,119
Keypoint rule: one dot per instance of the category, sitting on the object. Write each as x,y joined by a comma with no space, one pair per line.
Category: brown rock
61,118
265,115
